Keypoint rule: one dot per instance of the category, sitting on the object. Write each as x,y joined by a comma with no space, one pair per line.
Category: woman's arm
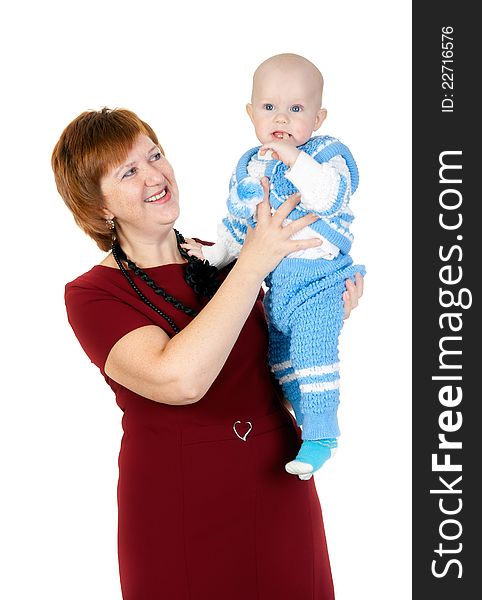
181,369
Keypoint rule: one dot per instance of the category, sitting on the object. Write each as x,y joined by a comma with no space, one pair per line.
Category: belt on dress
239,429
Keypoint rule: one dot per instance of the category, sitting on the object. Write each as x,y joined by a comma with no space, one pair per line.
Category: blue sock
316,452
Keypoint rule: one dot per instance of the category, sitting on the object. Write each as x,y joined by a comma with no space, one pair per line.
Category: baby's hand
281,150
193,248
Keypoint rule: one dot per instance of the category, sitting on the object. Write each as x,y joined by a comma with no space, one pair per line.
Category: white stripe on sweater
321,370
320,386
281,366
287,378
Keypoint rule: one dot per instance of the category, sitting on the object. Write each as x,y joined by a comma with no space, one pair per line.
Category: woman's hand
354,291
270,241
193,248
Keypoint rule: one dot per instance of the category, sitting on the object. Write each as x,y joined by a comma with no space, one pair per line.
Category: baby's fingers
189,246
193,249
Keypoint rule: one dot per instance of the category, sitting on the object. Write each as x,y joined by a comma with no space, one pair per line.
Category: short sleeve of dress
99,319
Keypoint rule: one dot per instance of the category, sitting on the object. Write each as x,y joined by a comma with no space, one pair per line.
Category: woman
206,510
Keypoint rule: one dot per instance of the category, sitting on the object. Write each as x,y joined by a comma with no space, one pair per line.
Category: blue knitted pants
303,354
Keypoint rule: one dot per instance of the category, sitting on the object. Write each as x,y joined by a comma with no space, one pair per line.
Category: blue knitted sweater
337,167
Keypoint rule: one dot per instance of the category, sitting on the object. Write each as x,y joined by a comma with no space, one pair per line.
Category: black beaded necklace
200,276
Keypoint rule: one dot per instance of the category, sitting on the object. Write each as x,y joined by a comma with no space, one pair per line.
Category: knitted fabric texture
246,193
304,305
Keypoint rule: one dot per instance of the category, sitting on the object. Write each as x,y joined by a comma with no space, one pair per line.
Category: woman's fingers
285,209
301,223
359,282
353,292
263,210
290,229
288,205
347,304
297,245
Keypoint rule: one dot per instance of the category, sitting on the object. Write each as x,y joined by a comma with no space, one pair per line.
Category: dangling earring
110,224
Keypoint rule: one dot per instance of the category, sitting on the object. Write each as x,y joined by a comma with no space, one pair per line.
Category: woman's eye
156,156
268,107
296,108
130,173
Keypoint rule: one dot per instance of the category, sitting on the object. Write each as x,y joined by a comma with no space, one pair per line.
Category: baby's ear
320,117
249,110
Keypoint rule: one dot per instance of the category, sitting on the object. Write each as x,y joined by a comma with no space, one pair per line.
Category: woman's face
141,194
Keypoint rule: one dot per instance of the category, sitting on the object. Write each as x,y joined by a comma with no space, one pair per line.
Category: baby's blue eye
268,107
296,108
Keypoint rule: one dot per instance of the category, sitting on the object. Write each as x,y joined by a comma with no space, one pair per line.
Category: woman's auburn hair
89,147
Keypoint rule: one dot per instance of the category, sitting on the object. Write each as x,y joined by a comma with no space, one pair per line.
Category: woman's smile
160,197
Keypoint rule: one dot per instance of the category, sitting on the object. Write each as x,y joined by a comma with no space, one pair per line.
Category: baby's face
286,104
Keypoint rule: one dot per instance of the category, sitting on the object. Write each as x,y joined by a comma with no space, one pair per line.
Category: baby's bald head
292,68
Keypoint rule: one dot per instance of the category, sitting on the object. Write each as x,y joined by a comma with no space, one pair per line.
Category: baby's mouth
160,197
281,135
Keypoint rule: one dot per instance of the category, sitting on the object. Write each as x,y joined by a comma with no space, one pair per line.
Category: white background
185,68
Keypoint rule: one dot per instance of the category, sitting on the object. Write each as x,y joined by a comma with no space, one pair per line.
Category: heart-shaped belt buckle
243,437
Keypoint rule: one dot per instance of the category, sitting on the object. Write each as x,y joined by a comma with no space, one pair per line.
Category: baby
304,304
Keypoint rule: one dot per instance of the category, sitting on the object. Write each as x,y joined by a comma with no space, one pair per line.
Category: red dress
204,514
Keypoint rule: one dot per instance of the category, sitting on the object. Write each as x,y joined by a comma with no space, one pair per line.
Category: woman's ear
107,214
320,117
